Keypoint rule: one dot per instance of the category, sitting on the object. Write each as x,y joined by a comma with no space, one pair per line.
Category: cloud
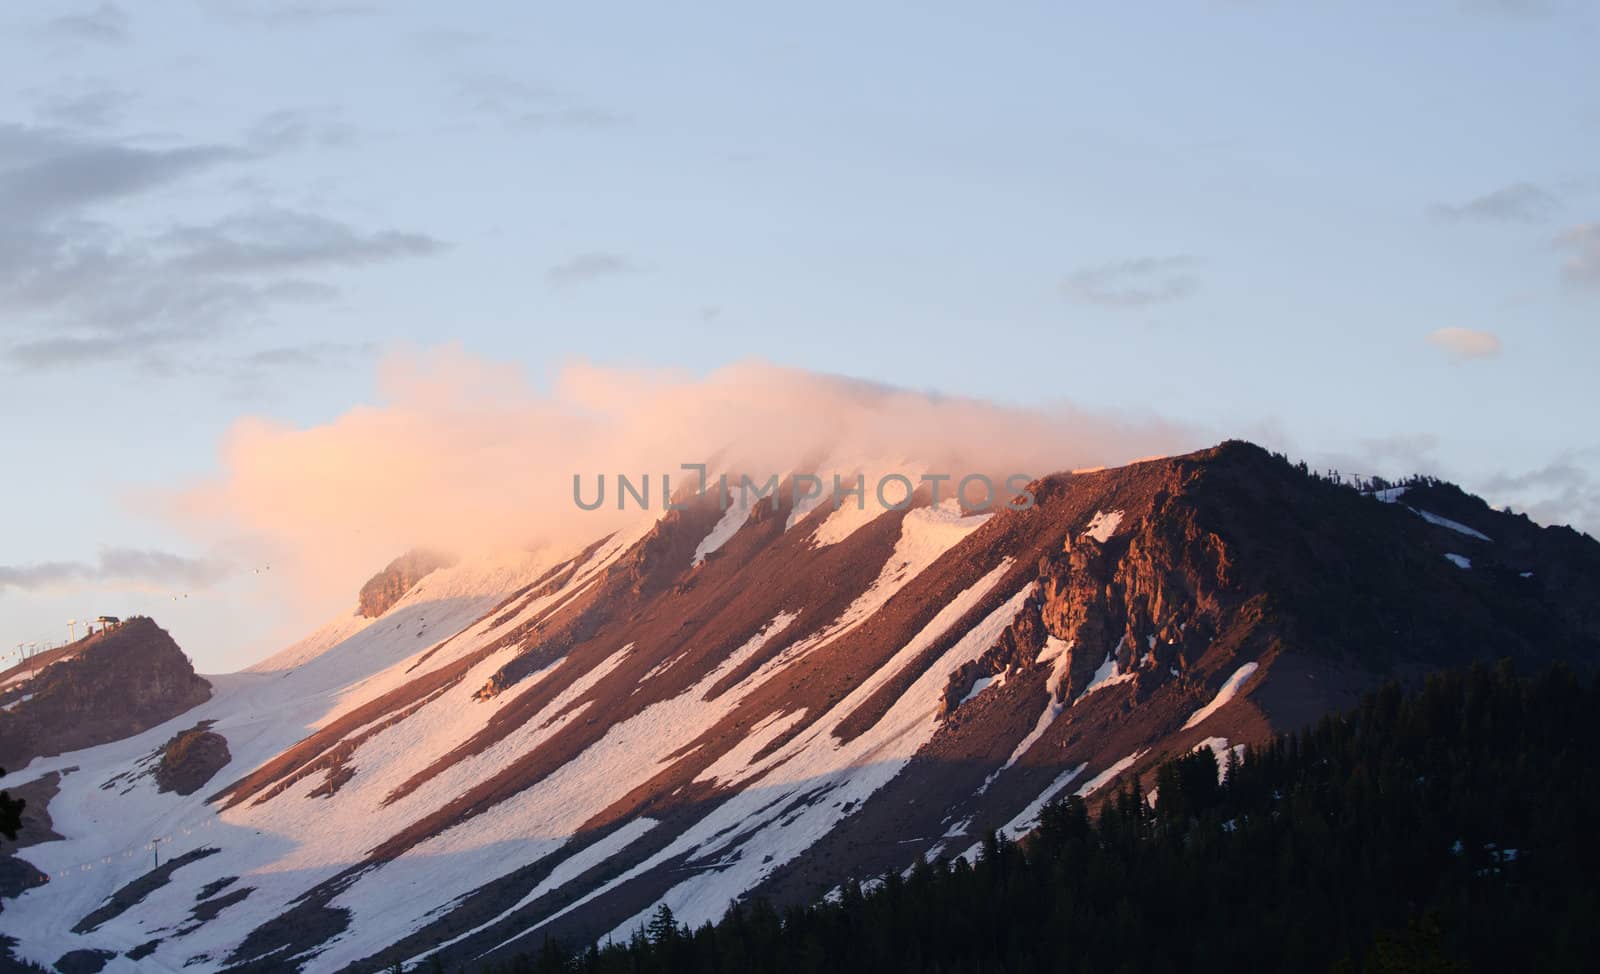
1136,282
87,105
1463,344
1582,266
50,353
79,285
587,267
1517,203
299,128
290,13
46,173
308,355
515,103
459,453
267,241
106,23
135,568
1563,491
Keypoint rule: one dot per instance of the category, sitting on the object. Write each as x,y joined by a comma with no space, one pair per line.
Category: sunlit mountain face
731,701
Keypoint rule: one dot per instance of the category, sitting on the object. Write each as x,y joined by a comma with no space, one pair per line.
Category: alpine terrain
729,701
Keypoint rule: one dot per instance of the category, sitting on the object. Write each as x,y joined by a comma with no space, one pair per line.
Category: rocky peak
1234,549
115,684
389,586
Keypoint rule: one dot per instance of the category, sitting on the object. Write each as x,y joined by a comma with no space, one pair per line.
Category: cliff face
387,587
118,683
804,707
1234,553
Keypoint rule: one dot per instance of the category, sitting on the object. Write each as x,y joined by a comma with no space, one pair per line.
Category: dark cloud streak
276,240
1517,203
1136,282
79,287
136,567
589,266
106,23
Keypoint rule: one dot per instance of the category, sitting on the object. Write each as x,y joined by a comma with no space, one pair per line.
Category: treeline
1357,482
1449,828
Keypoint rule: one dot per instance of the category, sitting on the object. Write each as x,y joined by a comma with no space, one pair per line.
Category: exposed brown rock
389,586
117,683
190,759
1222,558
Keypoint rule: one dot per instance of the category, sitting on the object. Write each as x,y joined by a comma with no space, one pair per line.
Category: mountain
767,701
107,686
1431,828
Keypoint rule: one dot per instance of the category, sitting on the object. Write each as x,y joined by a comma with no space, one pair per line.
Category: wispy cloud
105,23
1582,245
587,267
47,173
1464,344
299,128
131,567
80,285
512,449
1564,491
1517,203
82,105
1135,282
518,104
291,13
269,241
309,355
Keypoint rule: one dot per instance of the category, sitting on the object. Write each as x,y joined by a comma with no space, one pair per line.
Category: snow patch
1103,525
816,779
1445,522
983,683
727,525
1105,777
1460,561
1220,750
1225,693
925,534
1058,652
1109,674
1027,819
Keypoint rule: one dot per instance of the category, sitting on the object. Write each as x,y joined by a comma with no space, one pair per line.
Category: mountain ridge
556,748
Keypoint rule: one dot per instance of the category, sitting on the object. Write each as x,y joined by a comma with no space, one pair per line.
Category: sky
1366,234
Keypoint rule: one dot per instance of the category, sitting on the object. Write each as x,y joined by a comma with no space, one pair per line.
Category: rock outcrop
389,586
805,708
1235,549
190,759
116,684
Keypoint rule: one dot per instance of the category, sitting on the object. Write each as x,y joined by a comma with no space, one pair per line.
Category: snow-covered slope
720,704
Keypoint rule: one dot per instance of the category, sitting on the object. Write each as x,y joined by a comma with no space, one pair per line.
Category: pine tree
10,813
1427,830
663,927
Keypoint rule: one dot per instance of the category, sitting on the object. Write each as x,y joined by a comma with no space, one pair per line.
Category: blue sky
1364,233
